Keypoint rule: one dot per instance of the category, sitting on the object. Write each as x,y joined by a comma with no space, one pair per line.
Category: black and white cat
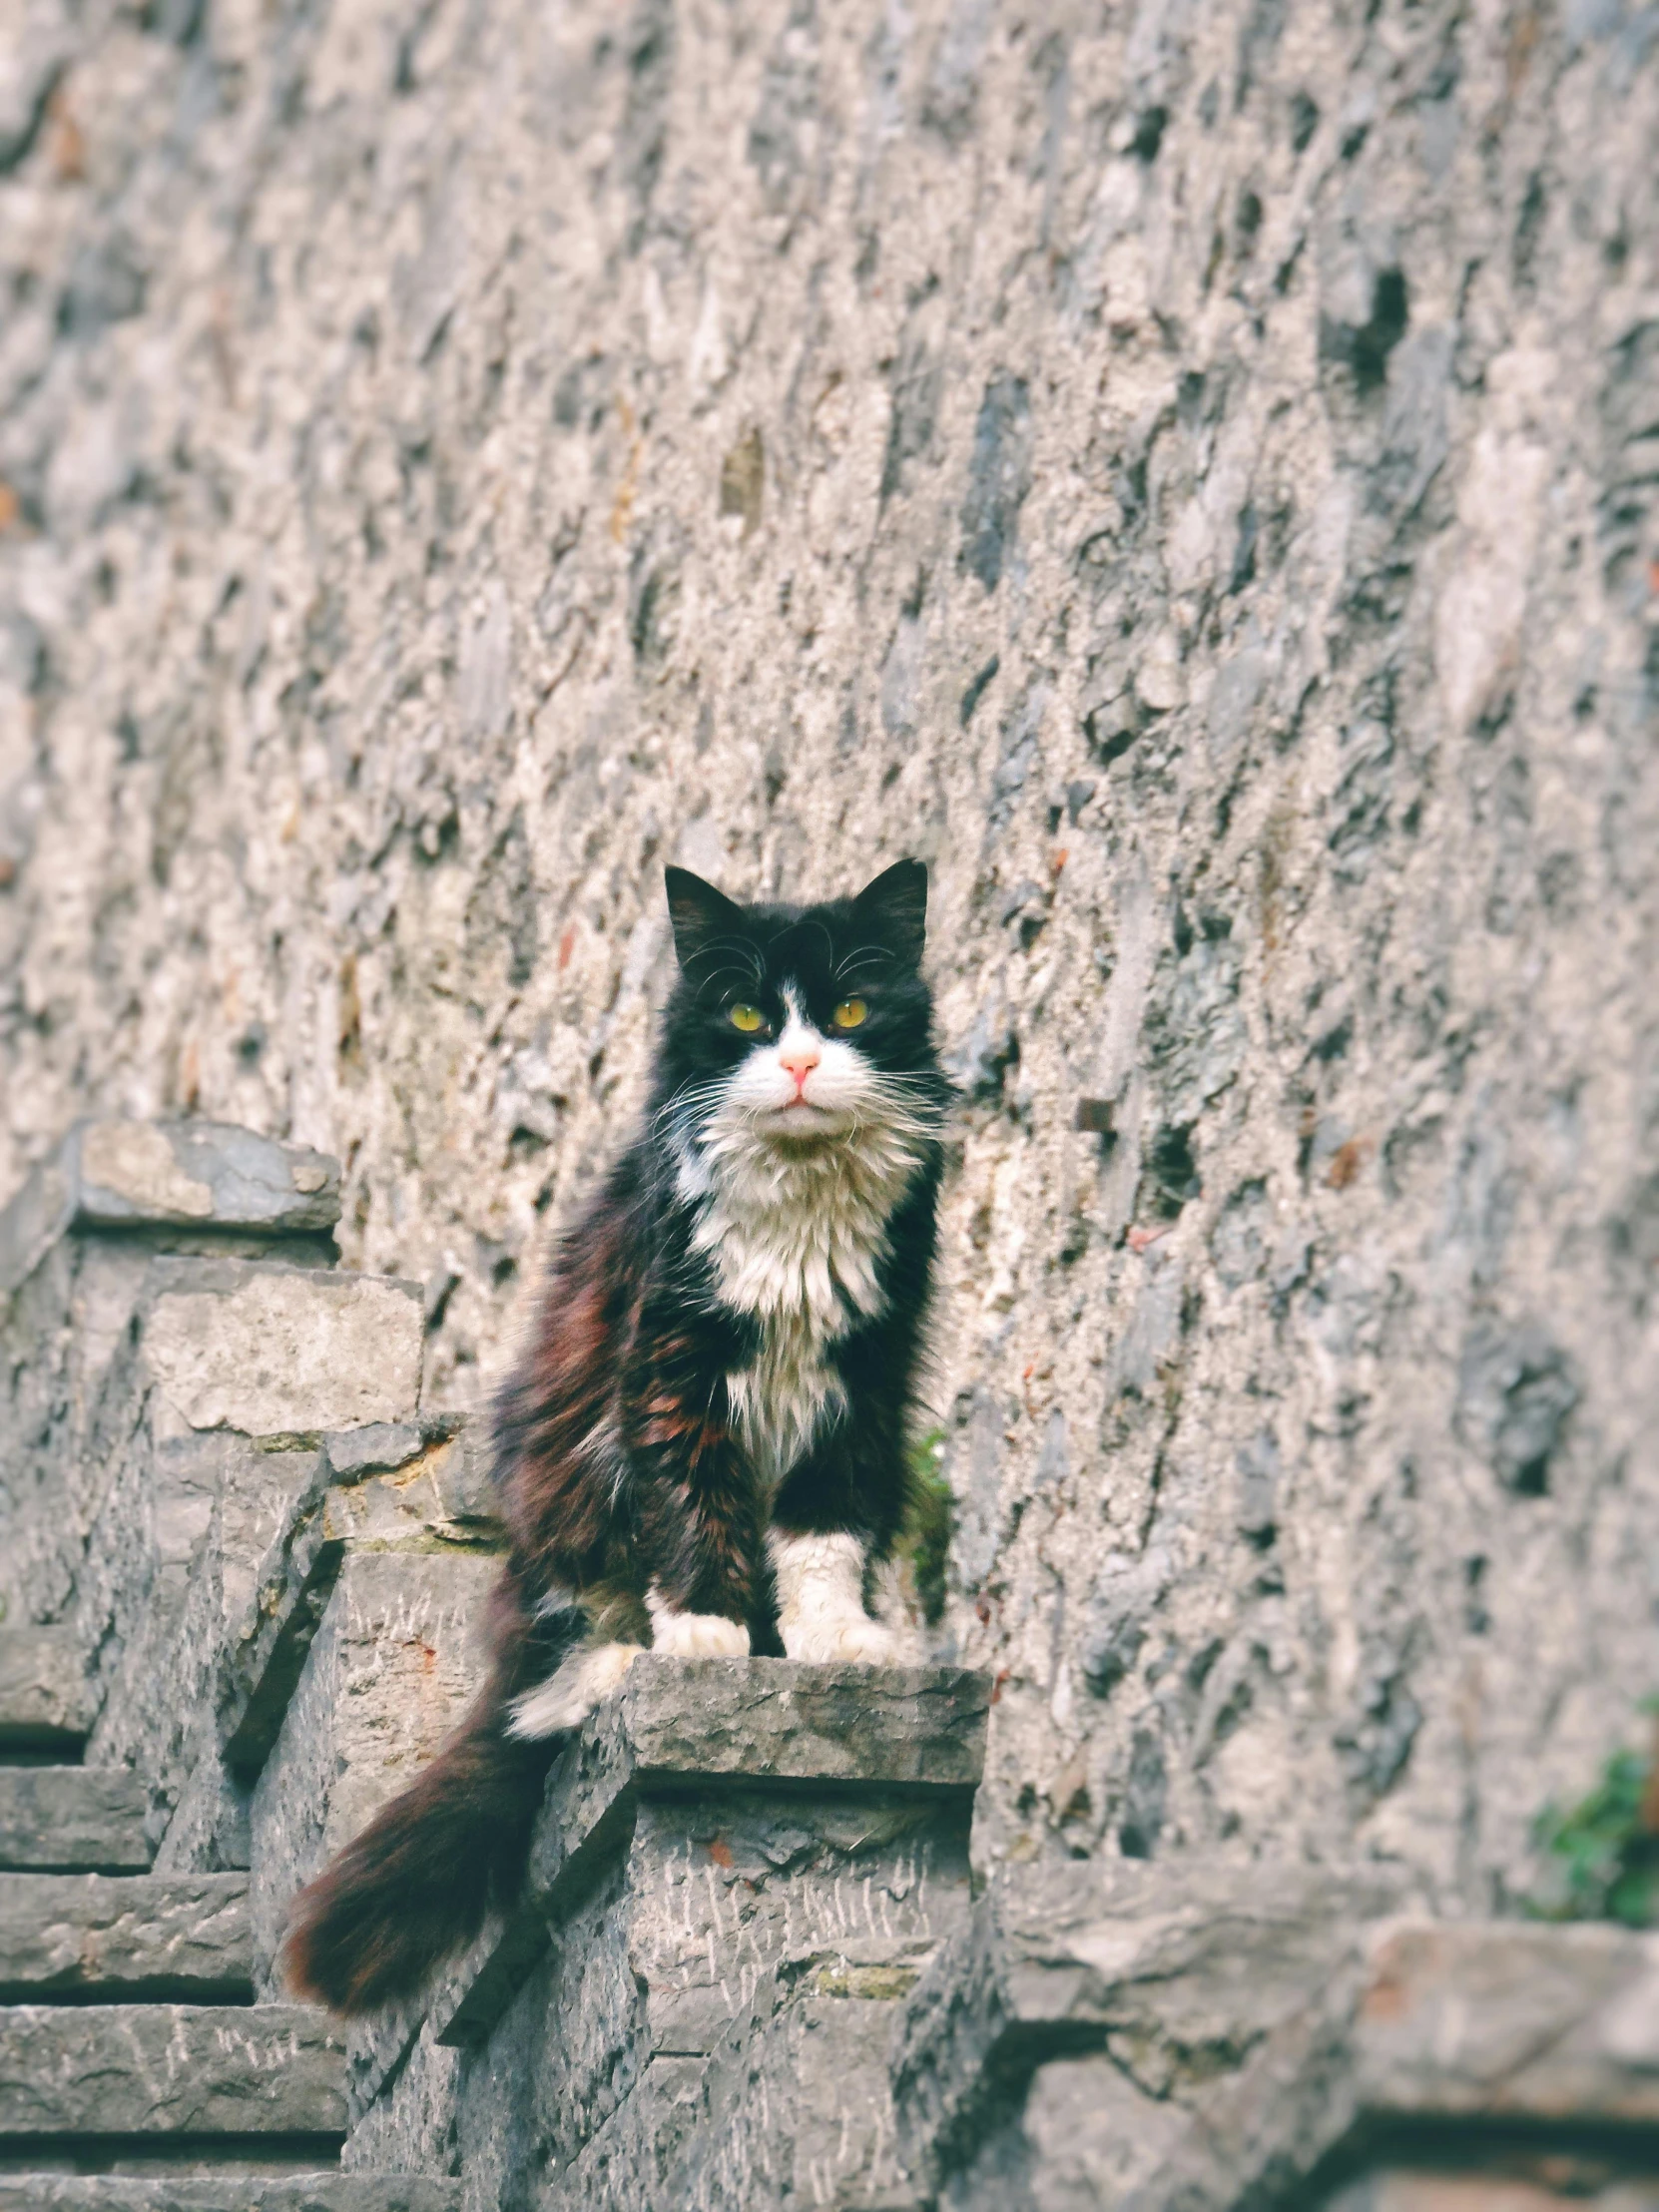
704,1450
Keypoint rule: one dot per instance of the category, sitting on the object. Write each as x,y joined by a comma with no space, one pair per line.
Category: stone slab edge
771,1720
232,2192
46,1699
197,1174
117,1938
72,1820
1444,2020
700,1723
170,2070
263,1661
202,1175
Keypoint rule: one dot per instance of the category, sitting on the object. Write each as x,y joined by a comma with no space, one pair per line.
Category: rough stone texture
271,1351
197,1459
74,1254
1536,2023
178,2069
1186,472
802,2113
1218,2039
319,2192
87,1936
45,1698
210,1178
691,1726
137,1519
740,1866
389,1673
73,1819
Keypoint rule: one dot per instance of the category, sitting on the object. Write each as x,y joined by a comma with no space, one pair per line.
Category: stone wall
1186,471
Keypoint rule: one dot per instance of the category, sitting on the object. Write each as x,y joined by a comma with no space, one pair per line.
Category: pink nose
800,1060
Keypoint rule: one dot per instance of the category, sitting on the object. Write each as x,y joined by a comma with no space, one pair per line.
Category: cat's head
806,1024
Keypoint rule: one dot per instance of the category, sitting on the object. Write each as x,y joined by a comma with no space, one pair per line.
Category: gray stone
921,1728
1207,2036
45,1696
803,2101
84,1936
1225,1987
999,479
170,2070
195,1176
72,1819
125,1172
374,1449
1516,1393
262,1660
1545,2024
738,1870
271,1350
698,1725
389,1671
240,2192
1355,647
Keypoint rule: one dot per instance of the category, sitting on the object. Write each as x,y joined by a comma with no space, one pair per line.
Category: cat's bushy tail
412,1889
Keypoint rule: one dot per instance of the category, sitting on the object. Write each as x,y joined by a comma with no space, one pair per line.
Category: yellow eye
849,1013
747,1018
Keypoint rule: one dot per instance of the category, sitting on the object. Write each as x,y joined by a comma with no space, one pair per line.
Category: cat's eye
748,1020
848,1013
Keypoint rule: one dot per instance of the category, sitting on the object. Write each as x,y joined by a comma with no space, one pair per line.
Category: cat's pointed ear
697,913
896,904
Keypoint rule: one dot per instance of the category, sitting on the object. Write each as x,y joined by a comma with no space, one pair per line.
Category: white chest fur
796,1236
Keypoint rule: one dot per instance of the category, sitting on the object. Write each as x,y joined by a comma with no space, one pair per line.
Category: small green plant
928,1526
1604,1852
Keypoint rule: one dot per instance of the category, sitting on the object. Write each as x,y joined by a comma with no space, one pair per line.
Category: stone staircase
137,2068
242,1571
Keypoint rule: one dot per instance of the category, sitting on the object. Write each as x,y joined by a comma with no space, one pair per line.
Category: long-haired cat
703,1449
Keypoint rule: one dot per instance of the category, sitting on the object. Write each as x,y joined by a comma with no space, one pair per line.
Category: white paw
572,1691
694,1635
843,1636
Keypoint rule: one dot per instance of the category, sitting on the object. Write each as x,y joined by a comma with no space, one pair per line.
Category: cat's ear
699,913
896,904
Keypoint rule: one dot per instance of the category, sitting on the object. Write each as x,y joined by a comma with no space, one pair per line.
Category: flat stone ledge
710,1720
81,1938
1244,2024
210,1172
320,2192
1509,2020
170,2070
196,1176
46,1700
1179,1965
699,1725
72,1820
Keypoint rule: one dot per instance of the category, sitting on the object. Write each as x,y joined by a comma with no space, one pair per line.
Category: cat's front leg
695,1513
819,1580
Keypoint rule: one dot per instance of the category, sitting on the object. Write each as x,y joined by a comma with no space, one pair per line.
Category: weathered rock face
1187,474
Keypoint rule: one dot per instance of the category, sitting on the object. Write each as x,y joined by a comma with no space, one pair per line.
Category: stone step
45,1697
201,2071
72,1819
94,1938
315,2192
